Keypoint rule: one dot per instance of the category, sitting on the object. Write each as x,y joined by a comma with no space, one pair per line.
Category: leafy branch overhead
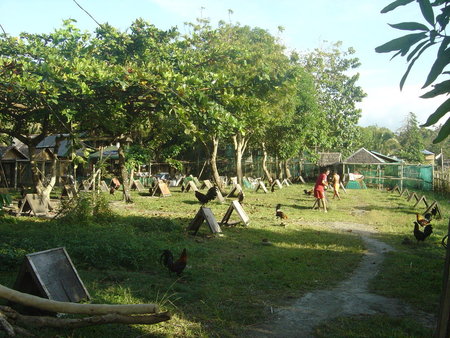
412,45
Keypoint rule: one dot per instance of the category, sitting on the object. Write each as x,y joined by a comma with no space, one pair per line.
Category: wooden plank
137,185
235,191
204,214
413,194
220,196
161,189
52,274
206,184
422,199
191,185
235,205
262,186
433,205
104,187
197,182
35,204
405,192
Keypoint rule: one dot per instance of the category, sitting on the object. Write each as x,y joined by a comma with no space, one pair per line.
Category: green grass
232,280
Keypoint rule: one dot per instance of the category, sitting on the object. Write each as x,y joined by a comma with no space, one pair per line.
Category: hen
308,192
423,220
178,266
421,235
209,196
278,213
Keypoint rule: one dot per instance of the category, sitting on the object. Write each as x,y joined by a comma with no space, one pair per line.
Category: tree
338,94
411,140
39,93
431,33
380,139
130,86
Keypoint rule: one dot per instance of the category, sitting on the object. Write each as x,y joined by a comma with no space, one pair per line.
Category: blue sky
307,24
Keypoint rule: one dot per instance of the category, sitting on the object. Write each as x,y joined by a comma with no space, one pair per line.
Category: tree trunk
264,163
240,143
287,172
38,180
280,169
124,175
213,162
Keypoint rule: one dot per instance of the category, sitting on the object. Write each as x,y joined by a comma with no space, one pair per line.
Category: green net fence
389,175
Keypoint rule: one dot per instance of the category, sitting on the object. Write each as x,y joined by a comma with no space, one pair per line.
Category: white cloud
388,106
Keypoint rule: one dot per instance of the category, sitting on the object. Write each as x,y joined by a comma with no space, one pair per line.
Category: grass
232,281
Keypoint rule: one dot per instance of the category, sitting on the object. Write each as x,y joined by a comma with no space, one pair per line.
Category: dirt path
351,297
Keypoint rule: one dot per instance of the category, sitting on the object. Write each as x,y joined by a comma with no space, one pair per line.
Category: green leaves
427,11
443,109
410,26
441,62
427,38
395,4
402,44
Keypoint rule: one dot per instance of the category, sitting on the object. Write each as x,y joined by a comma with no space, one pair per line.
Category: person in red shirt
319,190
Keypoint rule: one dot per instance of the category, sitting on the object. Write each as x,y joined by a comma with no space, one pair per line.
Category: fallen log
73,323
74,308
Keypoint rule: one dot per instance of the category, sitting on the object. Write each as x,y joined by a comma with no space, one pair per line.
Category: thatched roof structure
364,156
329,159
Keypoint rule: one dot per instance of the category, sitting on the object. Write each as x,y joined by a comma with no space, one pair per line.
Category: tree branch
66,307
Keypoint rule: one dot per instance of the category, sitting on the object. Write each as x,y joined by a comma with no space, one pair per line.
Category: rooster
423,220
278,213
209,196
308,192
241,197
421,235
178,266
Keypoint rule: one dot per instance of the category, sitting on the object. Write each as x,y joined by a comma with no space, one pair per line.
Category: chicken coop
381,171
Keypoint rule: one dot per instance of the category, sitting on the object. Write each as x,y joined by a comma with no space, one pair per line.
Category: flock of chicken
425,222
177,266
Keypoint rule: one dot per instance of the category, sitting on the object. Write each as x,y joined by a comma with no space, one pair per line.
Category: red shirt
319,183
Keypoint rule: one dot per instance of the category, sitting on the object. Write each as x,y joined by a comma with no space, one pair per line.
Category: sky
307,25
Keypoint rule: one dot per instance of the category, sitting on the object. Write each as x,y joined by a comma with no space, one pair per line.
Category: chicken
112,190
308,192
178,266
423,220
434,211
421,235
210,195
241,197
278,213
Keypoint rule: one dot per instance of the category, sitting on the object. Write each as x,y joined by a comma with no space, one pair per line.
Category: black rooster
308,192
178,266
421,235
209,196
278,213
241,197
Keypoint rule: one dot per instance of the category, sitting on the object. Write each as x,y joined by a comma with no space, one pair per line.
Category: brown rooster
209,196
278,213
308,192
178,266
